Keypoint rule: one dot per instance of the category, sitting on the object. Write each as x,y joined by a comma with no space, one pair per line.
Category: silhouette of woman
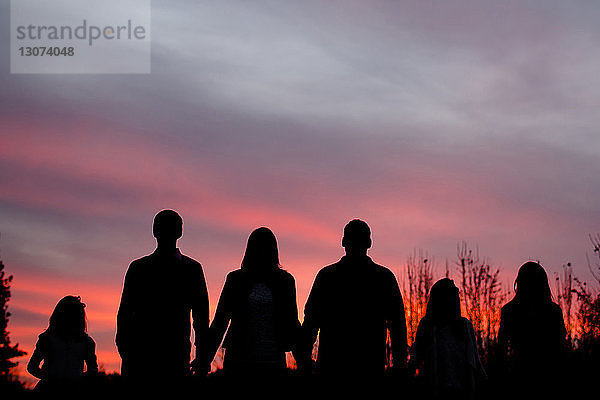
64,347
445,349
532,330
260,301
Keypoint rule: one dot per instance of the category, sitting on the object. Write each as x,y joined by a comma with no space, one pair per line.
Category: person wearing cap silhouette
352,305
159,293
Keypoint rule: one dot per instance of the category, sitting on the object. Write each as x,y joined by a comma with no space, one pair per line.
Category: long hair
68,318
444,302
262,255
531,285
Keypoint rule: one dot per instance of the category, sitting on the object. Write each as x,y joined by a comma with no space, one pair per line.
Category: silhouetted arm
90,358
480,373
502,356
311,325
33,366
417,351
562,328
200,321
562,335
125,314
221,319
292,315
396,323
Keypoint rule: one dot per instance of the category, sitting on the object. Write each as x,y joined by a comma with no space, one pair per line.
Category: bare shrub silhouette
416,284
482,296
594,263
565,294
588,313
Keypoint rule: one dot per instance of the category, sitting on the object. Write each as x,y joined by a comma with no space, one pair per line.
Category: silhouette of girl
65,346
532,330
259,300
445,348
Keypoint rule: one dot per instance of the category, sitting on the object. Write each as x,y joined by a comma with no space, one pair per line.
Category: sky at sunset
435,122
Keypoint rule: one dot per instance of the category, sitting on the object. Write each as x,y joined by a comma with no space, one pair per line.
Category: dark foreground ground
115,387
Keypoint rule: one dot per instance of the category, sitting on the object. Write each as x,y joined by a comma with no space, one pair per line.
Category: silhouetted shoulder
139,263
285,276
555,309
191,266
43,340
234,279
327,273
513,306
240,275
90,342
385,272
557,317
467,323
328,270
190,261
509,307
286,280
234,275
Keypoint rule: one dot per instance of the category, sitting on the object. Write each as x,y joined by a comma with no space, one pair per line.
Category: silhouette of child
445,348
65,346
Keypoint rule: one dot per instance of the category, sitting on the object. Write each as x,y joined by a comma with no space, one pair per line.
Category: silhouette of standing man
351,306
153,323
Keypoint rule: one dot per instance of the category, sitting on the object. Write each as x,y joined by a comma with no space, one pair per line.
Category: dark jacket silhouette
153,323
532,331
445,347
351,306
258,302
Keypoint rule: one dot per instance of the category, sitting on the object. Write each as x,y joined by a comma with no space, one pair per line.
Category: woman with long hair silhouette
445,348
258,302
532,331
65,346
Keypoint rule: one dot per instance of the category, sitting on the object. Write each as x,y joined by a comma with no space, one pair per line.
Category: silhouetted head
444,302
68,318
357,237
262,255
531,285
168,226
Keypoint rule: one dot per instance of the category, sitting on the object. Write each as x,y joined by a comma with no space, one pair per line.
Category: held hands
199,368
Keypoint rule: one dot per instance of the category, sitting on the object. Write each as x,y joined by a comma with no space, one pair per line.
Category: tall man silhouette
351,306
153,323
